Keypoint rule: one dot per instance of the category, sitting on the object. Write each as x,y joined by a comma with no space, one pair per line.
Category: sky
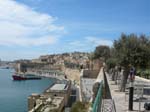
30,28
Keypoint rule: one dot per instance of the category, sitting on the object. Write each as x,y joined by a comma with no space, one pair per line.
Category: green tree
131,50
102,51
111,63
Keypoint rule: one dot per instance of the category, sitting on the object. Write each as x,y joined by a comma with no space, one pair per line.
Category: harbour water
13,94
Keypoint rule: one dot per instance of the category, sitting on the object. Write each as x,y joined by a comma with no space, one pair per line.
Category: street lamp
131,88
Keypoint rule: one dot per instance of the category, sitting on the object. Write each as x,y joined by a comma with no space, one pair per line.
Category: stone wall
90,73
72,74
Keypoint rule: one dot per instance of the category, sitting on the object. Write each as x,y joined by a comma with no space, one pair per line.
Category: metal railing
103,101
98,100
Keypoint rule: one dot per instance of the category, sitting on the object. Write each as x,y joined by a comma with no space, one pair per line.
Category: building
45,103
60,89
53,99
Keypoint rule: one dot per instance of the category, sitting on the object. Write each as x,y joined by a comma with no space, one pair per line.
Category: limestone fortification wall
72,74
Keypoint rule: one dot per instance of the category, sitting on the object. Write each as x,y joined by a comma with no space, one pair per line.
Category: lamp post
34,106
131,88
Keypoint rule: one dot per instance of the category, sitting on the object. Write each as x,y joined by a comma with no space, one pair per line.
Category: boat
5,67
25,77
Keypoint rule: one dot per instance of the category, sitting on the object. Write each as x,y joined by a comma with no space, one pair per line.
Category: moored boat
25,77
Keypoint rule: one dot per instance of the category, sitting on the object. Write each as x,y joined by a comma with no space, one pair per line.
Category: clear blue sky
30,28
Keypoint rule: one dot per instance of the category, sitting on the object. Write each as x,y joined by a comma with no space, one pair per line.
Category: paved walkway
121,100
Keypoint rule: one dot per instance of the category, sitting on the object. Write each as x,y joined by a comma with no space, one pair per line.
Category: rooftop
50,105
59,87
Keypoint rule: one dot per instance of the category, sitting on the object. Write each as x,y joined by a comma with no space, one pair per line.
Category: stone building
53,99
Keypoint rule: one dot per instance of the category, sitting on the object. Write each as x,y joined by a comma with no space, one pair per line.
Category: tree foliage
128,50
132,50
102,52
111,63
80,107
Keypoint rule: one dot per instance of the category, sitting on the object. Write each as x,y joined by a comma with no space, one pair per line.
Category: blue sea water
13,94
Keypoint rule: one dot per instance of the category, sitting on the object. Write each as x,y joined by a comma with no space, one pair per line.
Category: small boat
25,77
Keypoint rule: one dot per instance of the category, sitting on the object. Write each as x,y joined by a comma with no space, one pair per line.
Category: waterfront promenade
121,98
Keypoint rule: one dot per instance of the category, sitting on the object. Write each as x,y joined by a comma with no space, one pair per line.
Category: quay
56,74
64,93
59,96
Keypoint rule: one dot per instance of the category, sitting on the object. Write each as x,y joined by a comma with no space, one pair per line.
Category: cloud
76,43
27,41
21,25
98,41
87,44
